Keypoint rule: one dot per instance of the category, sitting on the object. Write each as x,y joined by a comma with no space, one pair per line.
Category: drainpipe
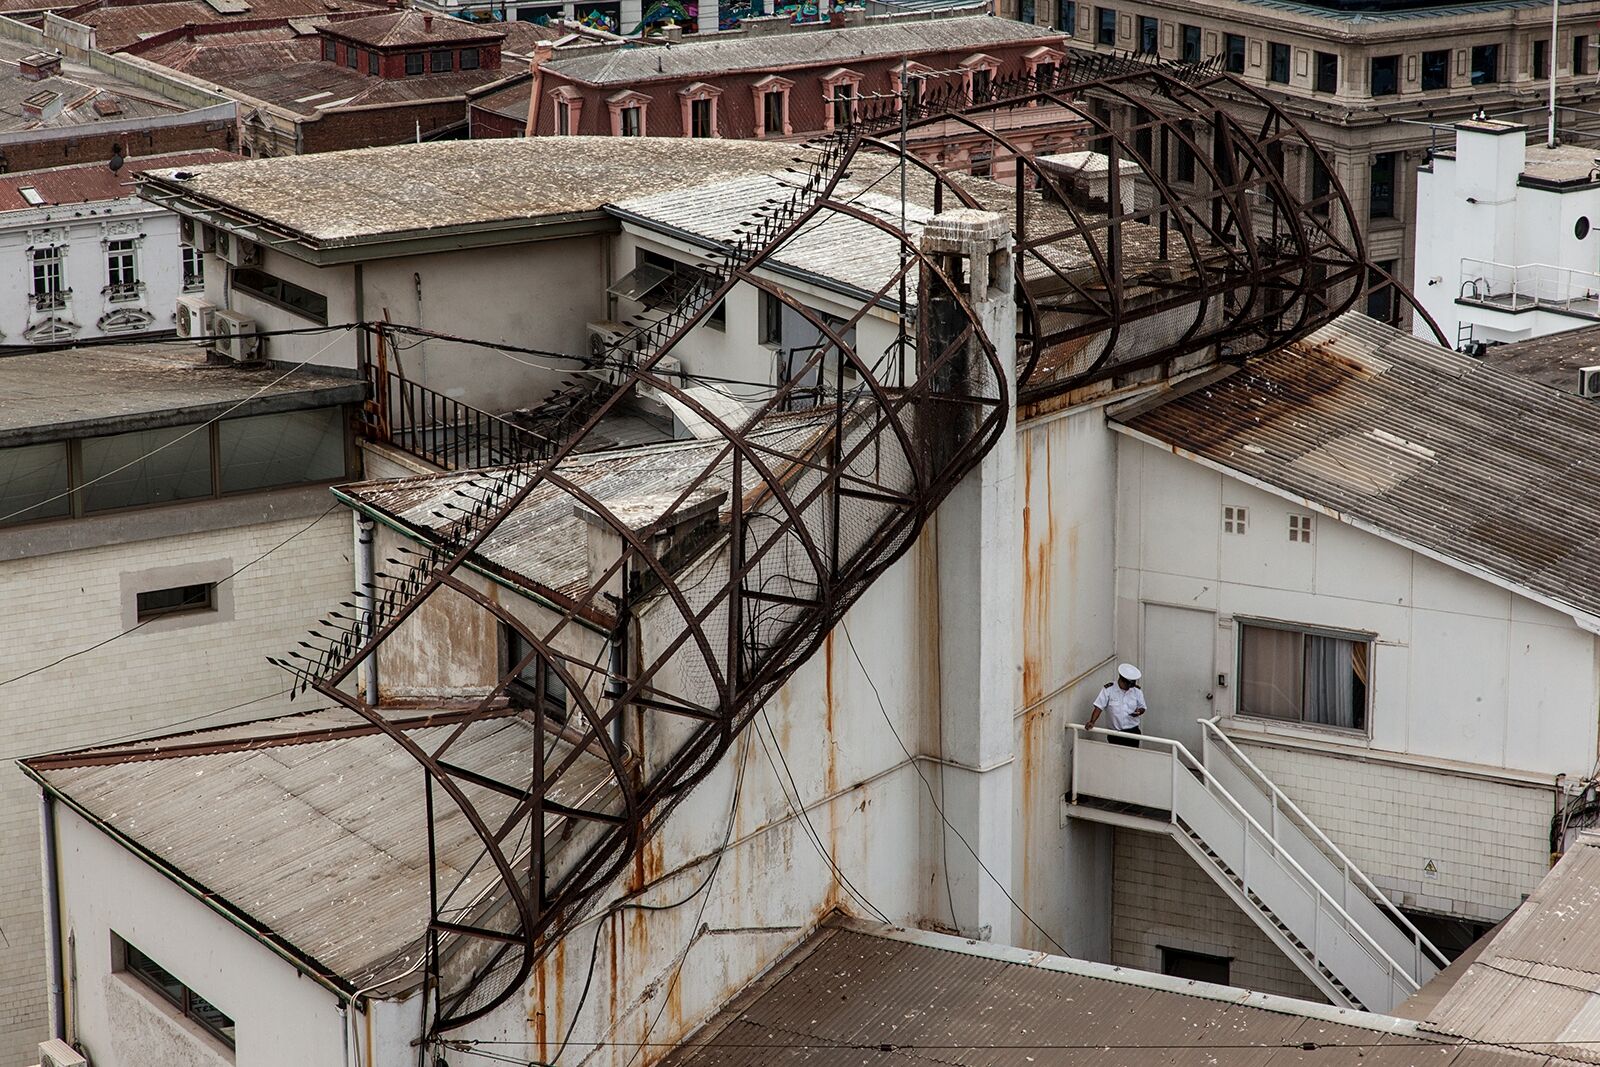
541,52
366,602
52,916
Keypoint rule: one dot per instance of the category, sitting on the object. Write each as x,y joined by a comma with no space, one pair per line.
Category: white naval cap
1128,671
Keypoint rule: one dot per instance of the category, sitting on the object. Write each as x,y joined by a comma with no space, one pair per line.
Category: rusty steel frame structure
811,506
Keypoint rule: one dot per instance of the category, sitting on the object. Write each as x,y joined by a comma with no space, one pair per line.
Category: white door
1179,655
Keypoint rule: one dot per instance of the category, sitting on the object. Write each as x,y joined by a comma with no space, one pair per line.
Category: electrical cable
816,1042
935,801
798,807
139,625
190,432
694,930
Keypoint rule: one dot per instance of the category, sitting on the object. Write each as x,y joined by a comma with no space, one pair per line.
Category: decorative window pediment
51,330
125,320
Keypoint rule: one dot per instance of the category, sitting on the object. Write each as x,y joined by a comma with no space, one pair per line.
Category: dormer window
630,113
467,59
980,74
414,63
1043,65
913,72
330,51
441,62
840,91
771,96
699,102
568,104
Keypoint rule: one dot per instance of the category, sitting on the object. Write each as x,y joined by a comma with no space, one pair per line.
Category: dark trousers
1121,737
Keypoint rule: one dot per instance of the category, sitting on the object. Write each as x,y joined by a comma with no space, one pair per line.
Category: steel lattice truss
800,510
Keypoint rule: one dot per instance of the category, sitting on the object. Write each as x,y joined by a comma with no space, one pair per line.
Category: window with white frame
1304,674
122,271
1235,519
49,278
194,269
1300,528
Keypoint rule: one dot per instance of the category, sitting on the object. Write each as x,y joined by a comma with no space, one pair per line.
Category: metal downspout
52,916
365,530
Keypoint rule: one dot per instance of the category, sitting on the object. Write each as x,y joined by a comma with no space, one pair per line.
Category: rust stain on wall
1038,576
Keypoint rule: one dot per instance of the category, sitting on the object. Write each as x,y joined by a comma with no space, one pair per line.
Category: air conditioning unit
197,234
1589,381
668,367
237,337
57,1053
237,251
194,316
604,337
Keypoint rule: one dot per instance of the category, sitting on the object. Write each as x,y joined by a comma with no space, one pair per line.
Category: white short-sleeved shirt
1121,704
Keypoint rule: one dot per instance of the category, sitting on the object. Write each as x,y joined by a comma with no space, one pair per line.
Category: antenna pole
1555,14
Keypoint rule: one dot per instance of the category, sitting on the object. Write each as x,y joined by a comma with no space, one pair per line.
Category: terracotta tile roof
117,27
400,28
283,67
87,182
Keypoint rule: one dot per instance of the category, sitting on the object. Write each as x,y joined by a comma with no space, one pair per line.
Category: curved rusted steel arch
728,639
1174,96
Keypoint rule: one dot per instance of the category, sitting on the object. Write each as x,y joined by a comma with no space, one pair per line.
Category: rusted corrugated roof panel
544,542
853,996
1537,984
1435,449
352,798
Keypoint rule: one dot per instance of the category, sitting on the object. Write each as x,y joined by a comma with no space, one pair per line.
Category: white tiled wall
155,680
1161,898
1488,841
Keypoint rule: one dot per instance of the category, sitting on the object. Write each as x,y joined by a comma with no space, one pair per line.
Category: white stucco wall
281,1016
1479,698
1474,208
537,295
167,676
81,230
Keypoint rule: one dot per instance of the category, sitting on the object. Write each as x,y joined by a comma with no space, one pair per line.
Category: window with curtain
1306,676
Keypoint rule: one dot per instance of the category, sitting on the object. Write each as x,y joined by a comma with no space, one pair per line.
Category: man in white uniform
1123,703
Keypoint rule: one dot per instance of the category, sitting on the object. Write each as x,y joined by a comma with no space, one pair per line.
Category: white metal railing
1317,853
1515,287
1162,775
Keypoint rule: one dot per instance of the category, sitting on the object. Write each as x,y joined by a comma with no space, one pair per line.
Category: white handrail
1181,754
1378,896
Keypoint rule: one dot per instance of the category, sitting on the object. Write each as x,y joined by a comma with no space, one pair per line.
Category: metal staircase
1270,859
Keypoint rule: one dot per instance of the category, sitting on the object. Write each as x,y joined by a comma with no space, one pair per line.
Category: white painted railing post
1077,739
1172,789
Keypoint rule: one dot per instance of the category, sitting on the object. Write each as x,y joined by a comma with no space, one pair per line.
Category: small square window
179,600
1300,528
1235,519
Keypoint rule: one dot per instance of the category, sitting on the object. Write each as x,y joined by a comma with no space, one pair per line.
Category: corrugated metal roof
637,66
544,542
854,995
1537,984
1442,452
274,795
